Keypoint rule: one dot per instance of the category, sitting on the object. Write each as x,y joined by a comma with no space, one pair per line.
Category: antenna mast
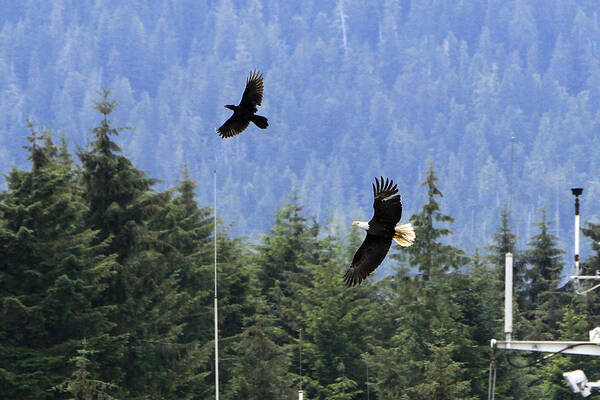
577,192
300,391
510,177
576,379
216,303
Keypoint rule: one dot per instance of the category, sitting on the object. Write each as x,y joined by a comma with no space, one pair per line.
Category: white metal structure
576,277
570,347
576,379
579,383
508,292
216,302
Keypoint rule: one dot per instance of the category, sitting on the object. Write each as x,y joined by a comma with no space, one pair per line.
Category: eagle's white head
361,224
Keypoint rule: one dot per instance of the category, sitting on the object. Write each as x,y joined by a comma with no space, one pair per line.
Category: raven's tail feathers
260,121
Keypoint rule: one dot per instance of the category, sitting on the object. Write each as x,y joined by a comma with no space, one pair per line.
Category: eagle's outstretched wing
368,257
387,205
253,93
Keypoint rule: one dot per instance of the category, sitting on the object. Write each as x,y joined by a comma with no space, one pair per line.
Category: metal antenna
300,391
510,183
576,379
577,192
300,358
216,303
508,295
368,395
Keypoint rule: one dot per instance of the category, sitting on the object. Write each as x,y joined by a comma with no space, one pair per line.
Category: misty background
353,90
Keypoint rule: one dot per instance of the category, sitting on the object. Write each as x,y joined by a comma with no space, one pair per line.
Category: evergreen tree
389,364
52,276
429,350
81,385
578,317
550,383
590,302
430,365
487,289
543,301
335,325
593,232
261,368
504,241
147,319
117,193
291,242
184,237
429,254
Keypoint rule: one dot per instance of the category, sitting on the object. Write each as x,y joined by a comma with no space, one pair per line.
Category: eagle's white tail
405,235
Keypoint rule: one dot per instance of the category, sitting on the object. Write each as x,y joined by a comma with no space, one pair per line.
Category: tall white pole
576,235
300,391
508,289
216,313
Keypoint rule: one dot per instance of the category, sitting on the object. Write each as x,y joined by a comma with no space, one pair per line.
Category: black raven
244,112
381,230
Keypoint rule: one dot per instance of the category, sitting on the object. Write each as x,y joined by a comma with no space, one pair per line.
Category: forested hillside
106,292
353,90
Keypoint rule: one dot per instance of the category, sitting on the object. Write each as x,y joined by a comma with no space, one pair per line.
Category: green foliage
106,291
543,302
429,253
260,371
401,81
53,273
593,232
430,343
81,385
335,325
117,194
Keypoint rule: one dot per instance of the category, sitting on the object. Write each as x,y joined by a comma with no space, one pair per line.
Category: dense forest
106,292
484,112
353,90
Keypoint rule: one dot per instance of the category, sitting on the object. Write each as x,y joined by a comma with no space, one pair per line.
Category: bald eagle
381,230
245,112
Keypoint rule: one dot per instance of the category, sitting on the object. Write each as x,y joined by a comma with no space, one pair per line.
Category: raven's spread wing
233,126
387,205
253,93
368,257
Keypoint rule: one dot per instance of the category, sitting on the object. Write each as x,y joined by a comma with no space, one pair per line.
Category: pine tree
117,193
593,232
290,243
428,353
261,368
577,317
335,325
592,264
123,208
543,301
52,277
235,300
390,365
184,238
550,383
424,362
504,241
487,285
429,254
81,384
